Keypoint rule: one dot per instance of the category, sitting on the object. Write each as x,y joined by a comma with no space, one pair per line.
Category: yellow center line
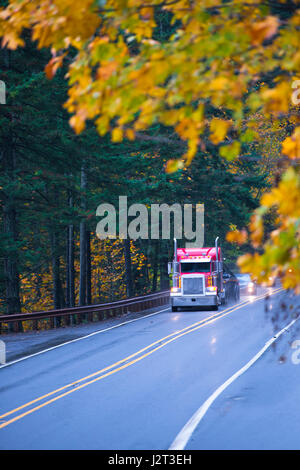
175,335
115,364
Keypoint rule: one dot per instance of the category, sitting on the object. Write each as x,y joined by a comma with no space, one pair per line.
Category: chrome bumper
193,301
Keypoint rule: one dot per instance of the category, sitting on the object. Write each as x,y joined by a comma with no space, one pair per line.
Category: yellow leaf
219,129
219,84
277,99
173,165
130,134
117,135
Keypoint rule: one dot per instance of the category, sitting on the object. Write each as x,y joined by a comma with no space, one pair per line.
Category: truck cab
197,277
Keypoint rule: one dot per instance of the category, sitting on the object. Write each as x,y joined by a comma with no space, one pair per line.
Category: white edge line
186,432
79,339
84,337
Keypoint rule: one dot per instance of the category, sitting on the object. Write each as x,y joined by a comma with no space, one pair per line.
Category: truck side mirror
170,268
176,267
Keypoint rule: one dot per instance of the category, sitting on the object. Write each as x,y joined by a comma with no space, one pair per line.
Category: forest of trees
52,181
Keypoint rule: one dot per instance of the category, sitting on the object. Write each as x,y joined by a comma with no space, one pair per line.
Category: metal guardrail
89,313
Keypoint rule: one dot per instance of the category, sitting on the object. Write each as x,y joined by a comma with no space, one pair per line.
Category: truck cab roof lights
195,258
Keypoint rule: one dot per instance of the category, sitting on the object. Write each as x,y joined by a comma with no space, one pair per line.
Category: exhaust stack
175,266
217,253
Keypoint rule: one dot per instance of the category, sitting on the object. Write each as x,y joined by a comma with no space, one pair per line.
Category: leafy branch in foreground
220,63
281,251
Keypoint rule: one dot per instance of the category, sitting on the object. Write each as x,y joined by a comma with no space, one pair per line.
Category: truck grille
192,285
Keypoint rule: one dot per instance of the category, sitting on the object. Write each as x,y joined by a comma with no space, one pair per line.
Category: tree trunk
11,273
155,266
83,240
55,271
67,269
88,269
70,262
163,268
128,272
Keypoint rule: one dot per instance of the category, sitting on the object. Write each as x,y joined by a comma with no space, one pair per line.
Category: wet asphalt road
130,387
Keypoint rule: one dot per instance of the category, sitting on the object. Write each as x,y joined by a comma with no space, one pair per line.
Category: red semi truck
199,278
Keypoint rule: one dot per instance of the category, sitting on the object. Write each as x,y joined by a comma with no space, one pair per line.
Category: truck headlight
211,288
175,289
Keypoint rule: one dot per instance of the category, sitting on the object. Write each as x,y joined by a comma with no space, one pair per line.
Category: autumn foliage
222,64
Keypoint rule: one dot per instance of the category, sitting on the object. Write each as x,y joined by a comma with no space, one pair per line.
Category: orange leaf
263,30
53,65
291,145
237,236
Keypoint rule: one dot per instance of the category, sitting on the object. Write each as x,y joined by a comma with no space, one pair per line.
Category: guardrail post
100,316
90,317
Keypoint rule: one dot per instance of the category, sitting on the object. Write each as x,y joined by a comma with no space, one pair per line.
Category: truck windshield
195,267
